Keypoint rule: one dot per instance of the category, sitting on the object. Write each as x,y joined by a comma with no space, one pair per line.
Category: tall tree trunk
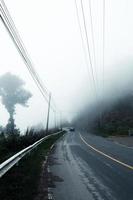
11,121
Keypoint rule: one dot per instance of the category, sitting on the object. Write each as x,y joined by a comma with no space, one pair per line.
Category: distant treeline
114,119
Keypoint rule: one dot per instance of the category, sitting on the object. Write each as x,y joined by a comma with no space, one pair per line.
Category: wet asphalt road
85,174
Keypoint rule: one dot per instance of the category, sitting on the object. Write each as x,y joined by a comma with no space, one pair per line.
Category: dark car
72,129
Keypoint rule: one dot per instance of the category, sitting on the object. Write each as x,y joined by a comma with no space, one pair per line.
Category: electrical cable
93,41
103,59
19,44
88,47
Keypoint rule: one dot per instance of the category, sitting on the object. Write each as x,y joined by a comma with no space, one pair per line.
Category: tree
12,93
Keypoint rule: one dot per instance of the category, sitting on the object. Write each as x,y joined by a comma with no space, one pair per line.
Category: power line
17,37
93,39
103,59
10,26
29,68
80,29
17,34
88,47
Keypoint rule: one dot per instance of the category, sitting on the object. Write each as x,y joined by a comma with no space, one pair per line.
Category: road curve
89,167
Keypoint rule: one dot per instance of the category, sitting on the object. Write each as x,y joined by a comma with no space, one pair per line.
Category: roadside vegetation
12,143
21,182
114,118
117,119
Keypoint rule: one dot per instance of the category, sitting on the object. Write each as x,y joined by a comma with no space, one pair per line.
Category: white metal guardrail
9,163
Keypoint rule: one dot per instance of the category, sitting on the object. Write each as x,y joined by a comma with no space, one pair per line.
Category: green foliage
11,144
21,182
118,119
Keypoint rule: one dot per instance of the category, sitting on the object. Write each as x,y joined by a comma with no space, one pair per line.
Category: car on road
71,129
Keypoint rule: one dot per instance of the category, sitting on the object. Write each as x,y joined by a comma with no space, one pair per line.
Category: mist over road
89,167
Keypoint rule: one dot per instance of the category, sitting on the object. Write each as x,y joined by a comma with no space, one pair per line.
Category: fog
50,32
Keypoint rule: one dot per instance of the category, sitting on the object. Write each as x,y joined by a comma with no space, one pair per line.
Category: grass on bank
21,182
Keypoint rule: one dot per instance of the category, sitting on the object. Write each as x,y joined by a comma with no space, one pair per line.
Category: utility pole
55,120
49,103
60,120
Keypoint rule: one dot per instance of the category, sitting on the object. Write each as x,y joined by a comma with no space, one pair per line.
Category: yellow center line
104,154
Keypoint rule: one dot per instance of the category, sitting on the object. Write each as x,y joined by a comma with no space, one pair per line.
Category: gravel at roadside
123,140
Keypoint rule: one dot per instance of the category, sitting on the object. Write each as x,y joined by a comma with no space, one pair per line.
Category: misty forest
115,118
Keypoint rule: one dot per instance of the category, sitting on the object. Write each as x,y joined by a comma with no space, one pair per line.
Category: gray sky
50,32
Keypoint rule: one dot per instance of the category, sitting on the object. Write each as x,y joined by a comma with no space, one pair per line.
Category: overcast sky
50,32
